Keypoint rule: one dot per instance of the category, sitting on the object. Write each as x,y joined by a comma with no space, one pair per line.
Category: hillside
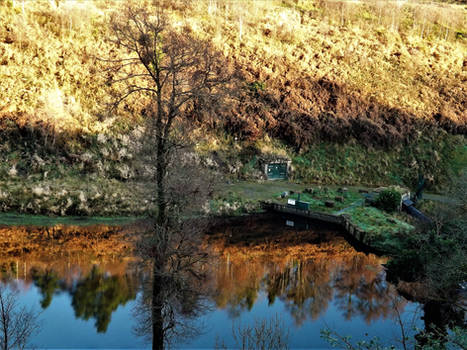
353,92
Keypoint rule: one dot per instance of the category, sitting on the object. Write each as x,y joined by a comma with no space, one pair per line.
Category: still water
87,286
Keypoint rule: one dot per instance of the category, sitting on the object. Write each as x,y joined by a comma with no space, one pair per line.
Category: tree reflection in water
95,295
361,290
305,277
98,295
47,282
187,271
177,292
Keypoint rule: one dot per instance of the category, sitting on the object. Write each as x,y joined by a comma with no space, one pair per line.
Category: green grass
231,203
377,222
438,157
260,190
13,219
321,195
370,219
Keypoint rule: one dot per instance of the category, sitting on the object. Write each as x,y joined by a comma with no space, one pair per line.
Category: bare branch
17,324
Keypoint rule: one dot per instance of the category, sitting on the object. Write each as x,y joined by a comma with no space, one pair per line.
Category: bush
256,87
388,200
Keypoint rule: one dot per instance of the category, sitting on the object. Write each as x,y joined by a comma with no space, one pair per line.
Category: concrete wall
341,220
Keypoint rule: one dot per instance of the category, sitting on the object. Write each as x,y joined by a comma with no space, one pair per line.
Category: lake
88,286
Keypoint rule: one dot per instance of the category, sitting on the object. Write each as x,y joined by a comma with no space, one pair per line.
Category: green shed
277,171
276,168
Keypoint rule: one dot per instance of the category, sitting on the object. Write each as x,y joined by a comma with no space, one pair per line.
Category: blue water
335,287
60,329
306,335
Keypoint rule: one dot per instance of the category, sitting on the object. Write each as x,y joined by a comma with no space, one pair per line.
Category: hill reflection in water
306,271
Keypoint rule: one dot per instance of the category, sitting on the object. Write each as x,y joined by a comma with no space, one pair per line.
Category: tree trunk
157,317
4,322
160,184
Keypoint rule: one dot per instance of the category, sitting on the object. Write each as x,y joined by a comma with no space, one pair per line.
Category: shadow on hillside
302,111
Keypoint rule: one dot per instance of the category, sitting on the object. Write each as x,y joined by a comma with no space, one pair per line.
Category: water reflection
307,284
95,295
98,295
306,271
47,282
176,294
89,264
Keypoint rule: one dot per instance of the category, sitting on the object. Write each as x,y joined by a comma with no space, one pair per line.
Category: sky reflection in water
309,278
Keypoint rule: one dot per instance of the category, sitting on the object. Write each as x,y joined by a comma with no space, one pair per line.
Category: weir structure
341,219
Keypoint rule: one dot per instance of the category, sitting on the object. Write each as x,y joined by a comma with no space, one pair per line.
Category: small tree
17,324
264,334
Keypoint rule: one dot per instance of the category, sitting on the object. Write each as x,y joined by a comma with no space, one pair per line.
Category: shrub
256,86
388,200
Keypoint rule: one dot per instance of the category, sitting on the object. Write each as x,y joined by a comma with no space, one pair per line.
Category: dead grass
384,76
48,68
410,57
337,80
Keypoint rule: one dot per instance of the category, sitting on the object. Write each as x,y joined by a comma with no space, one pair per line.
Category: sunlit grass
51,83
409,57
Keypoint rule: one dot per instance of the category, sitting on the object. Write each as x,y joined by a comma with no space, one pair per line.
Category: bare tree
175,73
179,285
264,334
176,76
17,324
177,292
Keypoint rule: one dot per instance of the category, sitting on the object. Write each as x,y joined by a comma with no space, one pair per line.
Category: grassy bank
351,92
439,157
334,69
105,179
11,219
108,178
